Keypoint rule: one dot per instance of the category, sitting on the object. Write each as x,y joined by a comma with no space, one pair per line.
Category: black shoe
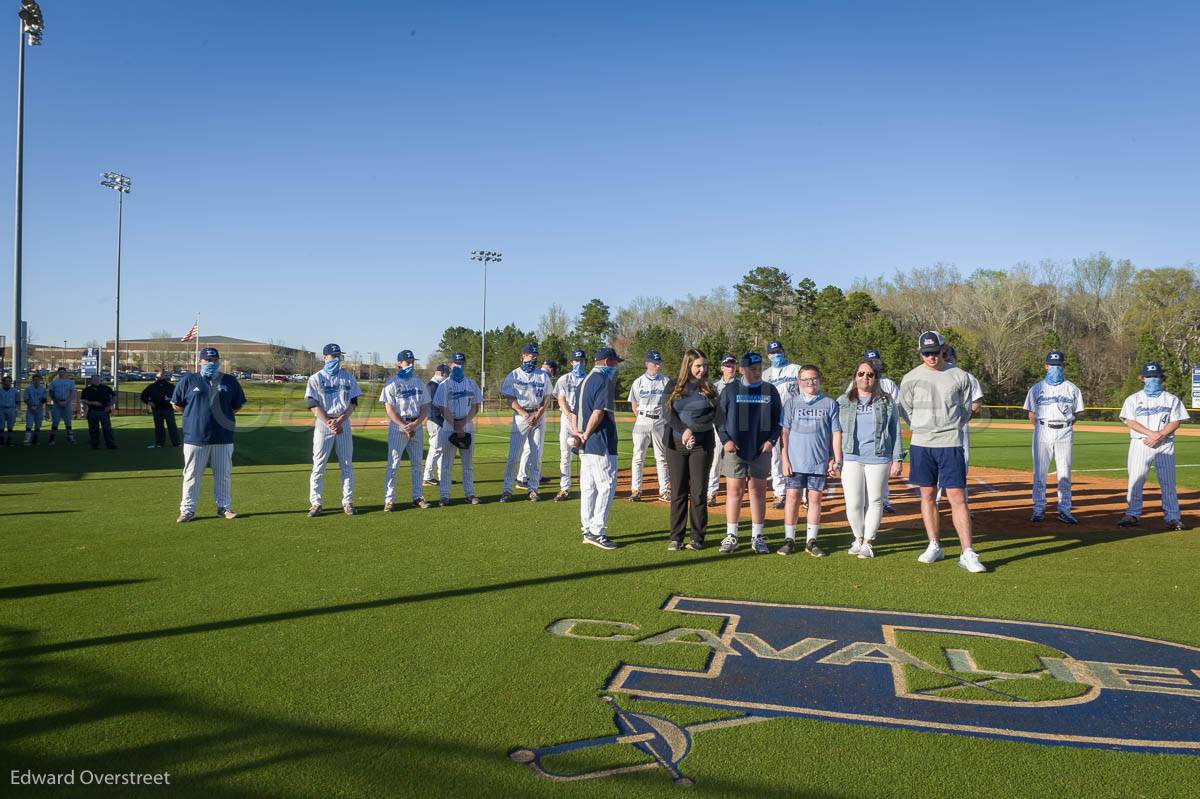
635,496
779,504
712,502
789,547
1176,526
1127,521
421,503
674,546
694,546
505,497
1037,516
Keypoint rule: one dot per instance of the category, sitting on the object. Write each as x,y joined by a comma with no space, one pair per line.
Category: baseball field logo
1025,681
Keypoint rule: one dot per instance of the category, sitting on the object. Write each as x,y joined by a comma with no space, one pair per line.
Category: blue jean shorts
798,482
938,466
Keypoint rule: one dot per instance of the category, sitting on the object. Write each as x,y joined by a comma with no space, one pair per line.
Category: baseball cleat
887,508
315,510
1176,526
729,544
932,553
664,496
635,496
505,497
226,513
472,500
1037,516
533,496
1066,518
759,546
600,541
521,484
812,549
430,482
348,509
712,502
779,504
865,552
789,547
185,517
561,496
388,507
694,546
442,503
1127,521
421,503
970,561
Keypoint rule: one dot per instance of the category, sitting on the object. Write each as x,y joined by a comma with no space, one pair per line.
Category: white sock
756,530
789,530
731,529
812,531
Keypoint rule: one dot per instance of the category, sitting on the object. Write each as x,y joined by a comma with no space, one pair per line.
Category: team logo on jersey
1024,681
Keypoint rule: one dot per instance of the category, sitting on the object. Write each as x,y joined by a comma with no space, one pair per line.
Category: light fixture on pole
32,26
485,257
122,186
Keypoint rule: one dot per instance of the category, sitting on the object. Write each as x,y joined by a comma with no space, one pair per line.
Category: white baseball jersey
648,393
1153,413
332,393
458,397
9,397
976,395
1059,403
407,395
567,387
529,390
60,390
784,379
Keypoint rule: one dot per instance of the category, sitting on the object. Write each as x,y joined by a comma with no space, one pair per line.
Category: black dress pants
689,486
96,420
164,422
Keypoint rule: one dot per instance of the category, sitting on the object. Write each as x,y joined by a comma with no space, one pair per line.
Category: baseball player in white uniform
406,401
209,401
551,368
1052,405
527,389
433,427
646,396
1152,416
565,391
332,395
62,405
458,399
35,400
9,399
782,374
728,374
951,358
892,389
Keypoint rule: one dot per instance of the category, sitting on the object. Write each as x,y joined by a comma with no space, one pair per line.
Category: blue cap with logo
1152,369
405,355
1055,358
653,356
209,353
751,358
458,357
578,355
605,353
442,369
729,359
774,347
930,342
529,349
871,355
331,349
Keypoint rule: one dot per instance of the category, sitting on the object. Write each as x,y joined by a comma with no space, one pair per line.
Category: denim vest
888,443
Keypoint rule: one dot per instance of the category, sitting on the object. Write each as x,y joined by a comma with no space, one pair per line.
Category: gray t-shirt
810,429
937,404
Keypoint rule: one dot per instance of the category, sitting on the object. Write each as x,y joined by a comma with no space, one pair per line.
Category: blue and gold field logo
1025,681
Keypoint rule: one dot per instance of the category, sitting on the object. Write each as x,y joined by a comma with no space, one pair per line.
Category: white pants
324,440
398,444
1057,445
564,454
864,484
597,487
520,435
468,461
646,431
195,458
778,478
966,448
433,464
714,472
1162,458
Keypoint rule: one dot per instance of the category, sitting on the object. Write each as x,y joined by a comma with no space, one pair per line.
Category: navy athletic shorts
937,466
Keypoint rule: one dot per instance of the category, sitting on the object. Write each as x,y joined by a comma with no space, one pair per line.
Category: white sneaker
970,561
865,552
856,547
932,553
729,544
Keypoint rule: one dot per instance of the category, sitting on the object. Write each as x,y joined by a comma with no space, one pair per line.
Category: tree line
1107,315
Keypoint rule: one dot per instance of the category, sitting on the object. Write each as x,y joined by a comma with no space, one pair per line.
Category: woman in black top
692,410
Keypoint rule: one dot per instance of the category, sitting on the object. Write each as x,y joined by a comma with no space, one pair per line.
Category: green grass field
406,654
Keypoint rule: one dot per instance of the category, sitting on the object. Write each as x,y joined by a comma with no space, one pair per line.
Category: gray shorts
740,468
798,482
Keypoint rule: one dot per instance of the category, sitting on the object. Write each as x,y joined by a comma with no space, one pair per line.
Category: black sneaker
533,496
505,497
521,484
1176,526
1127,521
887,508
674,546
600,541
442,503
1037,516
779,504
789,547
635,496
811,548
712,502
421,503
694,546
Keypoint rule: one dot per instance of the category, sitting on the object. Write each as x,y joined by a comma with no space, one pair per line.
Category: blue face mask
607,371
332,366
1054,375
528,366
1154,386
779,360
577,370
209,370
406,372
456,374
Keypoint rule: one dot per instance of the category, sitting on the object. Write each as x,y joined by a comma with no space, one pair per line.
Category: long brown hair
690,356
876,391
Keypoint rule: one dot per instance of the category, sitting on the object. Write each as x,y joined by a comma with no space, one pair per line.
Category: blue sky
310,177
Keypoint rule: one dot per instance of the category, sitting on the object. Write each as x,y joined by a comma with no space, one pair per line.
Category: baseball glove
461,440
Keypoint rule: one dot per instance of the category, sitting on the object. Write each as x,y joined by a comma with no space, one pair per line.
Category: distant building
237,354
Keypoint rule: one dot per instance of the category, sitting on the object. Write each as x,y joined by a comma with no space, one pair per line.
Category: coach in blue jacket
208,400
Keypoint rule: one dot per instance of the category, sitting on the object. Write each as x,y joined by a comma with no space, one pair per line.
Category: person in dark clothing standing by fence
158,396
99,401
692,411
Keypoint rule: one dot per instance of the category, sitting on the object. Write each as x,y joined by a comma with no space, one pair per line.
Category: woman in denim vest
872,452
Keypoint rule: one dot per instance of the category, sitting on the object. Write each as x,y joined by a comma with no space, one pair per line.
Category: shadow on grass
45,589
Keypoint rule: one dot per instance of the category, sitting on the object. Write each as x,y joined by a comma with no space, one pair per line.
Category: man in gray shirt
937,401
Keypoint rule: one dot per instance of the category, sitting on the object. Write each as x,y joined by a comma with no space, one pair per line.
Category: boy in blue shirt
812,434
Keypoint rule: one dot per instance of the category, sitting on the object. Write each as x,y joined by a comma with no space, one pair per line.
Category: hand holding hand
730,446
897,468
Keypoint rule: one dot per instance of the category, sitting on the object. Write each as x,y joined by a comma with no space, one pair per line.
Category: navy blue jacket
208,419
753,416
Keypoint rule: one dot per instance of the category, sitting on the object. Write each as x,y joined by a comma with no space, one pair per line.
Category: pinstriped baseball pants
398,444
196,457
1162,458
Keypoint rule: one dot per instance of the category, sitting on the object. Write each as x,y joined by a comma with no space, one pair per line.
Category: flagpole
197,365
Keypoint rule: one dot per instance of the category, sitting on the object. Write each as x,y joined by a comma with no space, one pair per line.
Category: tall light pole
485,257
122,186
32,26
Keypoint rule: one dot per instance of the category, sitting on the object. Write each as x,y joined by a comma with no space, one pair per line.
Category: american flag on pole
191,334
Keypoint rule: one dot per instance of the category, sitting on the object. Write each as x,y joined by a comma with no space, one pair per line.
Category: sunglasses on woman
866,374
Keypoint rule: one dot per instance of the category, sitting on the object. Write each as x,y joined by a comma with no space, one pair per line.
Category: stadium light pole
485,257
122,186
31,28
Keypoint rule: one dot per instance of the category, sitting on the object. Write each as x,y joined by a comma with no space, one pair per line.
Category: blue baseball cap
604,353
552,364
871,355
209,353
751,358
405,355
458,357
529,349
729,359
930,342
774,347
653,356
1152,369
1055,358
331,349
578,355
442,369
